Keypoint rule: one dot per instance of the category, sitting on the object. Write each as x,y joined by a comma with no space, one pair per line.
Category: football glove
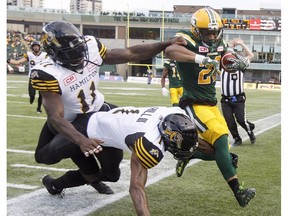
240,63
165,92
211,64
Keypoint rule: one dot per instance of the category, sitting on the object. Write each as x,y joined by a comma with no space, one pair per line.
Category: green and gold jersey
173,74
198,83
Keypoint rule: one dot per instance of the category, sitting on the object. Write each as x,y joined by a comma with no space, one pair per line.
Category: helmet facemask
74,57
205,36
65,45
179,135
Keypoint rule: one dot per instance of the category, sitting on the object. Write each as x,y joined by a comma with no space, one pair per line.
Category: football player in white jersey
33,58
68,82
146,132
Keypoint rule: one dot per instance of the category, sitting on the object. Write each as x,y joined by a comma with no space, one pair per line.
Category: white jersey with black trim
132,127
78,91
34,59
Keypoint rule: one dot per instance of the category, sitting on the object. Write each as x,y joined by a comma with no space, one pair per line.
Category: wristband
199,59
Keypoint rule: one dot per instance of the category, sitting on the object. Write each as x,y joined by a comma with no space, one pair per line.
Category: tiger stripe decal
147,157
46,85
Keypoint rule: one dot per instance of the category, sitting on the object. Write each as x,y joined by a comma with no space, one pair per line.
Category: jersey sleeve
148,154
102,49
188,37
44,82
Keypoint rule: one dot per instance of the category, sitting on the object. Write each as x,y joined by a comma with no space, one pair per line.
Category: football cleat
252,137
102,188
237,142
180,166
39,110
48,183
244,196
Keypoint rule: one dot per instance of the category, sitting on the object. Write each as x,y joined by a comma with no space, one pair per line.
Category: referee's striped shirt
232,83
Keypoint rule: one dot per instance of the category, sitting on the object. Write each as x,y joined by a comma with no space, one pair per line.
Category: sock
234,185
223,157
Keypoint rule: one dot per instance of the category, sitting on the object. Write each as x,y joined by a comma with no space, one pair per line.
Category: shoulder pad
42,81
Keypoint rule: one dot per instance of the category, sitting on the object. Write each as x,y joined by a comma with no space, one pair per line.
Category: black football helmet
179,134
65,45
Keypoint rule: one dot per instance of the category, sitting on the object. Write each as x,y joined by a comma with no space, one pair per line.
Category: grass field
200,191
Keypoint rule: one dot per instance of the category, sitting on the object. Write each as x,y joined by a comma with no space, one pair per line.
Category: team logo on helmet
174,136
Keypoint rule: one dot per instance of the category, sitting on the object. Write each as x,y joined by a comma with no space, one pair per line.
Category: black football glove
211,64
239,64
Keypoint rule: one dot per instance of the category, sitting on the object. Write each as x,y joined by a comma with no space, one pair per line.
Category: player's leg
174,99
213,128
31,92
39,110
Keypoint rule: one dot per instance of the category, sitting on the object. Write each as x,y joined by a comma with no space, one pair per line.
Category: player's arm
182,54
237,41
137,185
164,75
139,52
54,108
17,62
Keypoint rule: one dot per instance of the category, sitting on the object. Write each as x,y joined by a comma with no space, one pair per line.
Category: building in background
26,3
85,6
259,29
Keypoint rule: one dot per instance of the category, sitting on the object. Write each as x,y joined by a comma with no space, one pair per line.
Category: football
225,61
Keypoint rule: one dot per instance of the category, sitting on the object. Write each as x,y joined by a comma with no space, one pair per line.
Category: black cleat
237,142
252,137
244,196
102,188
48,183
39,110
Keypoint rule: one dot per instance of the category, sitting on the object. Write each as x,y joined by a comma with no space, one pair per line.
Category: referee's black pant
235,111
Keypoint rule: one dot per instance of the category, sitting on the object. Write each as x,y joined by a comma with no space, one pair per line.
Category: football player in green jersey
198,64
175,84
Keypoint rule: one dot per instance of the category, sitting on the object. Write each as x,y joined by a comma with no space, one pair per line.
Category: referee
233,98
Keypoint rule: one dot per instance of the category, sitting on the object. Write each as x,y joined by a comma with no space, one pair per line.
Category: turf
200,191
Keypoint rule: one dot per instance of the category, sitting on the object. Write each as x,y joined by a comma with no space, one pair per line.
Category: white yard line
21,116
22,186
83,200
